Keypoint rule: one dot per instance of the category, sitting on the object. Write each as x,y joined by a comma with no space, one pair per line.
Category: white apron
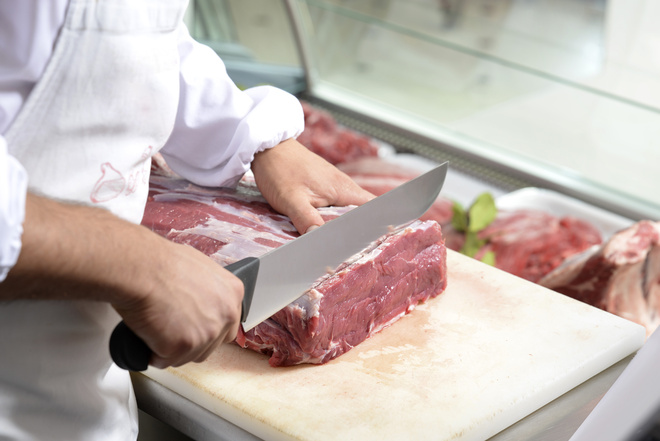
105,104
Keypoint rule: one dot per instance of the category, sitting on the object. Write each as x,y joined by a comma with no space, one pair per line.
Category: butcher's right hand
177,300
185,307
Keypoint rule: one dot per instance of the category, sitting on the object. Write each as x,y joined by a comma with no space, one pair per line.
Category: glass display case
561,94
557,94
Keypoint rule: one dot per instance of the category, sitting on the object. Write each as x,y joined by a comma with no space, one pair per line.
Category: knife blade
279,277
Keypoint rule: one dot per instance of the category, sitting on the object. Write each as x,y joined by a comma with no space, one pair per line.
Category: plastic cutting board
490,350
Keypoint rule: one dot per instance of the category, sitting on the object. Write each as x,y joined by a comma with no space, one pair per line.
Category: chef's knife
280,276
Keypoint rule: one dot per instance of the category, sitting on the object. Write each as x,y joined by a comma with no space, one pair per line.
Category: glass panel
566,89
254,38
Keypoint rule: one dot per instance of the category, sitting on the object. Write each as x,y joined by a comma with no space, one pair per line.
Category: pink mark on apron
110,185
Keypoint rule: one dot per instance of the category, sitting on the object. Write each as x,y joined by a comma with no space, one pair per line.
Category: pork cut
366,293
621,276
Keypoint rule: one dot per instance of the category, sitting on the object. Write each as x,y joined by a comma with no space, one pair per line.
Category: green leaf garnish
489,258
460,218
482,212
472,244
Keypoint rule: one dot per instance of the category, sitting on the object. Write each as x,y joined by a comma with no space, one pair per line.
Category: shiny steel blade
285,273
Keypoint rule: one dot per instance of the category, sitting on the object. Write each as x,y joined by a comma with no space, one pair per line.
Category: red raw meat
225,224
621,276
530,243
326,138
367,293
364,295
379,176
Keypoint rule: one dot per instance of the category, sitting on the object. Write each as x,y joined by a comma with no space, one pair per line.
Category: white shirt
218,128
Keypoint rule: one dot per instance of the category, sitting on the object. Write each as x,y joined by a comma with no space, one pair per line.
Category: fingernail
311,228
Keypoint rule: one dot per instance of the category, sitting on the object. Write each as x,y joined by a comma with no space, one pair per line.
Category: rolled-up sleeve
13,190
220,128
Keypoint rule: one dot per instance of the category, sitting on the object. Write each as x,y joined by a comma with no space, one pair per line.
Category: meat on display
526,243
621,276
336,144
365,294
531,243
564,253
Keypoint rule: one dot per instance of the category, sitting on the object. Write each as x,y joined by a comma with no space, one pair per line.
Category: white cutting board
490,350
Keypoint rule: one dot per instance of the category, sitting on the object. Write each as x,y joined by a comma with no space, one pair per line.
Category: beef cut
364,295
621,276
343,308
225,224
530,243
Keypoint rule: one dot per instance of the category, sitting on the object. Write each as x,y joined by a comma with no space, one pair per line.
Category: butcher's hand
191,306
176,299
296,181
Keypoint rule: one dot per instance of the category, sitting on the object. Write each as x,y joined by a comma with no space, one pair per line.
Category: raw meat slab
490,350
377,286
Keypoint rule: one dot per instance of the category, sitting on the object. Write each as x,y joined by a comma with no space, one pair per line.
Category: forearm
179,301
73,252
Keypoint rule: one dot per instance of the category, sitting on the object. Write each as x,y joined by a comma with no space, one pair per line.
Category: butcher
90,90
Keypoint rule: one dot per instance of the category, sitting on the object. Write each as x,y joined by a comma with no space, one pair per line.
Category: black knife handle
128,350
246,270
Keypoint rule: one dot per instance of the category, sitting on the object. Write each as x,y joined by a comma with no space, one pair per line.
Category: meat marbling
365,294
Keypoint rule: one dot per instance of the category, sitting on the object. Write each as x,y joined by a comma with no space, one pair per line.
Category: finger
181,359
159,362
179,352
304,217
355,195
206,354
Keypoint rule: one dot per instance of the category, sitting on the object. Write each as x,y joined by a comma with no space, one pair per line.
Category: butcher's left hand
296,181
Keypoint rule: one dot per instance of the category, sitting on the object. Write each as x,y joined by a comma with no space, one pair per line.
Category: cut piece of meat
336,144
364,295
530,243
367,293
621,276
